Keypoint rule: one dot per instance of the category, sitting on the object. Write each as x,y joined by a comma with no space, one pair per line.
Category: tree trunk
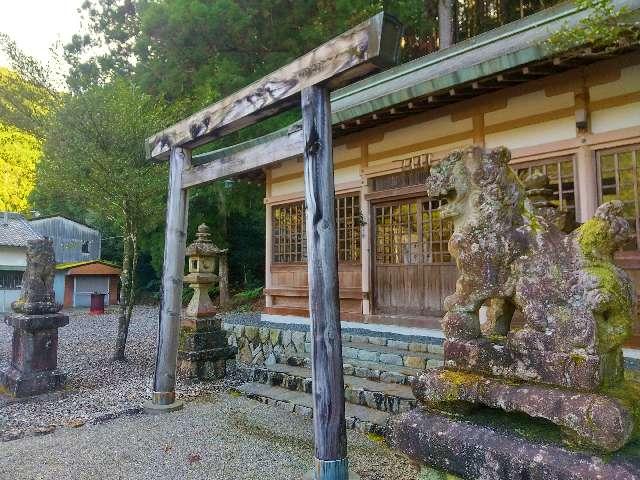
126,278
223,274
445,22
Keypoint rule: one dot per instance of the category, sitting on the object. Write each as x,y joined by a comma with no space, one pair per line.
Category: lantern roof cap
203,246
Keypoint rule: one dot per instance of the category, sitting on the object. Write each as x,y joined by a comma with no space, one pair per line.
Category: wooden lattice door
413,271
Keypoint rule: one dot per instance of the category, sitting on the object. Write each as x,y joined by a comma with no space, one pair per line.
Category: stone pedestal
203,350
34,361
491,450
590,420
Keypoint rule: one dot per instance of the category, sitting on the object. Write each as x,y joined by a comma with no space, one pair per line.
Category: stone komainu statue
37,294
577,305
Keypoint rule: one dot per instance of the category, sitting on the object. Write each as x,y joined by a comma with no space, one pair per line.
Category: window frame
557,160
356,237
633,148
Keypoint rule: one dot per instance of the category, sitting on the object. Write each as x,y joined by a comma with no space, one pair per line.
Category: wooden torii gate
370,46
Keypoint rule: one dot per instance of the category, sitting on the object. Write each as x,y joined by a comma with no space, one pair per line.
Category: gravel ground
97,388
94,429
226,437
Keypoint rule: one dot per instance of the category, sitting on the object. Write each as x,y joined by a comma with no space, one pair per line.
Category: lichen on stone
513,255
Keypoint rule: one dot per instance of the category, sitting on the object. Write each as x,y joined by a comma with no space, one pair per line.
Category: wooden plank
324,306
372,45
243,158
172,279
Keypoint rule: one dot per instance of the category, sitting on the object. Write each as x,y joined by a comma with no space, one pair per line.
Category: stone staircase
378,372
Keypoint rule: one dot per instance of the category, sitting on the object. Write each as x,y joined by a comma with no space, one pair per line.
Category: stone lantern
203,349
203,259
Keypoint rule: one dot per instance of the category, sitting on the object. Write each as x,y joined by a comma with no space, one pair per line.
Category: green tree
27,93
19,152
605,27
94,156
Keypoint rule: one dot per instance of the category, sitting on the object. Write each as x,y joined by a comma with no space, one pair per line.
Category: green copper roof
490,53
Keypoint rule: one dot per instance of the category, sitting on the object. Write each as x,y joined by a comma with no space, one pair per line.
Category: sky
36,25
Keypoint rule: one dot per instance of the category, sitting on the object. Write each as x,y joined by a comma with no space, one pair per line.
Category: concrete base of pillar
155,408
331,470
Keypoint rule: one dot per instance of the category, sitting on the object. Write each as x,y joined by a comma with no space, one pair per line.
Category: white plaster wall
288,187
13,256
296,185
531,135
422,132
527,105
616,118
287,167
628,82
347,174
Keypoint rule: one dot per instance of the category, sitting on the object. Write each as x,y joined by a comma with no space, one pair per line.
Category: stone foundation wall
262,343
259,345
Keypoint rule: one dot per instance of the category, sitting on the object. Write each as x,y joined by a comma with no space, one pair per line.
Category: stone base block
591,420
21,384
482,452
45,321
207,364
575,371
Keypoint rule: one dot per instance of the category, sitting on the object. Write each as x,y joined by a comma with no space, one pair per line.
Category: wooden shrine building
573,115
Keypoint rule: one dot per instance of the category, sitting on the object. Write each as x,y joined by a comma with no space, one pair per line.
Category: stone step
357,417
379,372
386,397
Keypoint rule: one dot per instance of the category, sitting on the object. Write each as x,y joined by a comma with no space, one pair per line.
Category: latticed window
10,280
289,239
436,232
348,228
412,232
289,231
560,172
618,179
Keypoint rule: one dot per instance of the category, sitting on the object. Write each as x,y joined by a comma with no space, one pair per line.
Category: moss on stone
614,325
456,379
185,333
592,236
578,358
429,473
628,393
530,428
374,437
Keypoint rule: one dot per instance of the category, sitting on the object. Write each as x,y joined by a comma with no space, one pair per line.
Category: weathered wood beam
372,45
238,159
324,305
164,380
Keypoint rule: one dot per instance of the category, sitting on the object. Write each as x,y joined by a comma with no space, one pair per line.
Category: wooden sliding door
413,271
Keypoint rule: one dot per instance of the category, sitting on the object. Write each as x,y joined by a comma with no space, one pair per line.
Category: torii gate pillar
324,305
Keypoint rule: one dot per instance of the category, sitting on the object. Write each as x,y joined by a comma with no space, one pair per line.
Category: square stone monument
36,319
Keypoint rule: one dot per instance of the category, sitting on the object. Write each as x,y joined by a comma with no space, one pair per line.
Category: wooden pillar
223,274
324,308
268,247
587,180
365,233
164,382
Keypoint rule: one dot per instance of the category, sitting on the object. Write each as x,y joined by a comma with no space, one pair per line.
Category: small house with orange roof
76,281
